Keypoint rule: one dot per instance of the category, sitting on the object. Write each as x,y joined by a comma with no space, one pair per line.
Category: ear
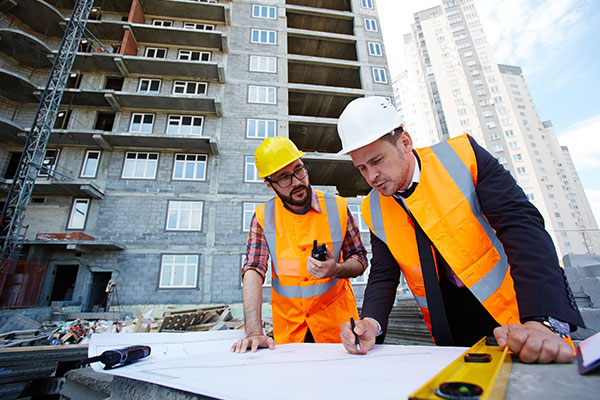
268,184
405,141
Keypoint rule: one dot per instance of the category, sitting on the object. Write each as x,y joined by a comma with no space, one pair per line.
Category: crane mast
32,157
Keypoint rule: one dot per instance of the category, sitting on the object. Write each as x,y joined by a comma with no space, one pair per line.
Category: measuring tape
480,373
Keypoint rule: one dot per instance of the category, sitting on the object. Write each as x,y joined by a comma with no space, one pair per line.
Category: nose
371,174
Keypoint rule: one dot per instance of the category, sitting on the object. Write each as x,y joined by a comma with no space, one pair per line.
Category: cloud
583,141
532,33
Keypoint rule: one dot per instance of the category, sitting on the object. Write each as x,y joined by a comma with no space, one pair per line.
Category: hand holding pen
358,337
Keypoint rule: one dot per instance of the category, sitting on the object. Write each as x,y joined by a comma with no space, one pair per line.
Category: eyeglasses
286,180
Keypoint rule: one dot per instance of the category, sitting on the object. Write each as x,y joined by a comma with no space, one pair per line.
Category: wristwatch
559,327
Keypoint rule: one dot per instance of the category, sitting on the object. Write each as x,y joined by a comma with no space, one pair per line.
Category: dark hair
393,136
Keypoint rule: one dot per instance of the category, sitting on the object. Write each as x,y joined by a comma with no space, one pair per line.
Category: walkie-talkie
319,252
117,358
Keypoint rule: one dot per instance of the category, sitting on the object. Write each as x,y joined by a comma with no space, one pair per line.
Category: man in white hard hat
472,248
310,298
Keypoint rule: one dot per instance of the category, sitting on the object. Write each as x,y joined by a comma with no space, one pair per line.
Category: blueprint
201,362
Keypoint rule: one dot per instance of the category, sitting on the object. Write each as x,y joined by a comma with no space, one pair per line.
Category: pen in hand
352,325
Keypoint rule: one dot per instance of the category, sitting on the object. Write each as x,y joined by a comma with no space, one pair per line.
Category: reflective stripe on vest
337,239
461,176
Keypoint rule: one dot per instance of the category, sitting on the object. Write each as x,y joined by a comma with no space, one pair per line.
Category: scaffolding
31,161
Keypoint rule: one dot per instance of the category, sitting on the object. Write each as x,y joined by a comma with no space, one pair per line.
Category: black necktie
408,191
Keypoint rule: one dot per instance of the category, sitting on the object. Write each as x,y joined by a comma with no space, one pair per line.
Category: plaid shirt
257,251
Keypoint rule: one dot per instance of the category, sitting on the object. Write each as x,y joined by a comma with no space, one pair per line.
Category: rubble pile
19,331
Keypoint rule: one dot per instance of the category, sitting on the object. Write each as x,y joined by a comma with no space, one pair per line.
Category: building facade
149,178
451,68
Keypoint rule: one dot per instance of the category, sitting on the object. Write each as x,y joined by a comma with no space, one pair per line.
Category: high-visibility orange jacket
299,300
454,223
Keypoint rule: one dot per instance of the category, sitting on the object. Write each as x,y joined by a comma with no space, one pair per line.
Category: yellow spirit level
481,373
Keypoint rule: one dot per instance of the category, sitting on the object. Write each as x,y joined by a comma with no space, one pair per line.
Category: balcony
144,33
60,186
341,47
216,13
40,16
9,132
121,6
307,19
96,138
25,48
17,88
307,70
339,5
320,101
315,134
116,64
338,171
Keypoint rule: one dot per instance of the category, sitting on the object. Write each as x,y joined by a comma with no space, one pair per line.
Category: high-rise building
453,79
148,177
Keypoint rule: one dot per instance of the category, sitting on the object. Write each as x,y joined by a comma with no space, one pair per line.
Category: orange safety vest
446,206
299,300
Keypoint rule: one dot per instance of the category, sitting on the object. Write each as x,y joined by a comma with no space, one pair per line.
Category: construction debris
19,331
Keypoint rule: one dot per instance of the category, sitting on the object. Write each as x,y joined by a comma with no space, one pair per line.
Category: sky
556,43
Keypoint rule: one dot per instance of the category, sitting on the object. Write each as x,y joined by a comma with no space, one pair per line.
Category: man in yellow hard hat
472,248
310,298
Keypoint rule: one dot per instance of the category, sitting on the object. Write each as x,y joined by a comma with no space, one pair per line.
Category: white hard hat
365,120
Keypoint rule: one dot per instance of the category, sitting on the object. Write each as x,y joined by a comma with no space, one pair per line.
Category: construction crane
35,146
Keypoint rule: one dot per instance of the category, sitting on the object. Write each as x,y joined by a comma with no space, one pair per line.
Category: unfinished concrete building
148,177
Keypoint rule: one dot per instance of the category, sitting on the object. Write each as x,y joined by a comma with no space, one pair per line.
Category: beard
289,200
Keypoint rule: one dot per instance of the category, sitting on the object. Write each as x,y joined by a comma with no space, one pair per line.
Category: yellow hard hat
275,153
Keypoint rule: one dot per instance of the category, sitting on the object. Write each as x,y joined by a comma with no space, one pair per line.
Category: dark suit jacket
540,284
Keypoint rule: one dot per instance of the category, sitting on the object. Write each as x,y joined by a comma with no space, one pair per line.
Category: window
184,216
263,36
494,136
141,123
178,271
498,148
190,87
149,86
530,196
464,122
49,162
487,114
505,121
78,214
379,75
521,170
357,214
375,49
517,157
154,52
366,4
161,22
189,167
198,27
501,160
261,94
193,55
248,213
263,12
513,145
90,164
509,132
185,124
370,25
490,125
140,165
250,171
462,111
456,92
263,64
477,82
557,214
261,128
